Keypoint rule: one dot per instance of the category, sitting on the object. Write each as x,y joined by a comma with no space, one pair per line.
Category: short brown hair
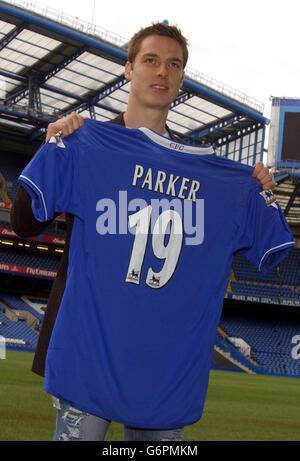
158,28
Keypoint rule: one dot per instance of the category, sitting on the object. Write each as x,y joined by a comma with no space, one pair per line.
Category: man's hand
264,177
67,125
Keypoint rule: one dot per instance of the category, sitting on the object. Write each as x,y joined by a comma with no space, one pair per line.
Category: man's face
156,74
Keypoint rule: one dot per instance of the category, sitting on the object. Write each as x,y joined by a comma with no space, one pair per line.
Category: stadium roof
52,64
48,69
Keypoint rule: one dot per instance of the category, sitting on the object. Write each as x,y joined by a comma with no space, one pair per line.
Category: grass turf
239,407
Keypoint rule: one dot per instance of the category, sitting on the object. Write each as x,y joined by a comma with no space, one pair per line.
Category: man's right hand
67,125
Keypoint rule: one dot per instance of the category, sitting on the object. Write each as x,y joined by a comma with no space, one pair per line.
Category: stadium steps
227,355
232,279
270,338
251,359
18,309
4,305
17,334
224,335
222,332
223,342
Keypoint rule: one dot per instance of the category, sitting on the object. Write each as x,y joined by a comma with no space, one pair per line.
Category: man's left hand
264,177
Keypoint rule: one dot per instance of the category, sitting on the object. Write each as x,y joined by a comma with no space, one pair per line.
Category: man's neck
153,119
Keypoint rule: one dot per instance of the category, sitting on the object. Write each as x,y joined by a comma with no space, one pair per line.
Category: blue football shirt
156,226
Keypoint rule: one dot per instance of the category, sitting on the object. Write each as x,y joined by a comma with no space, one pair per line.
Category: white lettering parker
165,183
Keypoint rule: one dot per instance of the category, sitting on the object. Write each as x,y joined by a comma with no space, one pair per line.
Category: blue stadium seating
11,167
26,259
3,318
227,346
16,302
270,340
282,282
287,273
17,330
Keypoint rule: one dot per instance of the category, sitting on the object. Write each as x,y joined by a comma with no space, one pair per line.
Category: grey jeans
73,424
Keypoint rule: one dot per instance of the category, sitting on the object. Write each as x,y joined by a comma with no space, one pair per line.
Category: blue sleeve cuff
38,205
274,256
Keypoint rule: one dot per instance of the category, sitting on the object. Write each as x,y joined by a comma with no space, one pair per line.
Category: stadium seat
270,340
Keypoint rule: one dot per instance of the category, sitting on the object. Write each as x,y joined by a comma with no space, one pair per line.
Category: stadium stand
55,229
63,49
22,258
11,166
17,333
282,284
235,360
287,273
17,303
269,337
19,336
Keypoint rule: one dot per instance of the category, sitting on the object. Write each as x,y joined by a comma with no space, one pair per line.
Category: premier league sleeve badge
269,197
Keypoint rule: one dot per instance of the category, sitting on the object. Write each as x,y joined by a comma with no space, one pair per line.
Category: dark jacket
25,225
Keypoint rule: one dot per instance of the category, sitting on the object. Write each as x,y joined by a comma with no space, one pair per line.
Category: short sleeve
52,180
264,235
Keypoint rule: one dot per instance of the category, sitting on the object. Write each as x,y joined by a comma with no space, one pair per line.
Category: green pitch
239,407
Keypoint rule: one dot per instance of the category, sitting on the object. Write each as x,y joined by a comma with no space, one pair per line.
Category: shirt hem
121,420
